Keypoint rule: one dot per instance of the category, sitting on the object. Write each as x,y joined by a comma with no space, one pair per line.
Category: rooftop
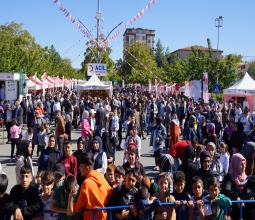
198,47
128,29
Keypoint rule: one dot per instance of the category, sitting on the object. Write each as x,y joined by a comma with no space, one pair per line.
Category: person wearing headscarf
205,171
249,153
237,139
212,137
215,160
110,152
24,150
158,135
99,155
174,130
228,131
68,126
201,129
188,166
78,153
49,156
238,186
190,133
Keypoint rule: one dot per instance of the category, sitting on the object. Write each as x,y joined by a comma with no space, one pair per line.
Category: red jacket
177,151
70,164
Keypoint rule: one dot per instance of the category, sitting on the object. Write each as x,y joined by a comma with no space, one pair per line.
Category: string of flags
101,45
130,22
75,21
139,62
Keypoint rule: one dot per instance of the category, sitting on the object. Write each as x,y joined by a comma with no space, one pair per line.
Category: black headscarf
189,154
205,174
53,154
240,127
22,148
78,153
106,145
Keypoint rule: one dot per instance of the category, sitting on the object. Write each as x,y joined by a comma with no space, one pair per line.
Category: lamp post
218,24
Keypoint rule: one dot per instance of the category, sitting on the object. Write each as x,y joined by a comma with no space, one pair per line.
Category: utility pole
98,17
218,24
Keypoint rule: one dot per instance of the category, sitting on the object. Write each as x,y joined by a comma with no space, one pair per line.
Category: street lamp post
218,24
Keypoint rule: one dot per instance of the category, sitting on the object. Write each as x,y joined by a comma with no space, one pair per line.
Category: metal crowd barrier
109,209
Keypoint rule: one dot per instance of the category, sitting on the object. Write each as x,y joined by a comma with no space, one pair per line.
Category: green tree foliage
19,50
90,57
143,54
160,57
251,69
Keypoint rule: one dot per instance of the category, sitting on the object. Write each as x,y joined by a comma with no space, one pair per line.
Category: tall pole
218,46
98,17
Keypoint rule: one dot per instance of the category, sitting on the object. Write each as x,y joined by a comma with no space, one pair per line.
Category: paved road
147,158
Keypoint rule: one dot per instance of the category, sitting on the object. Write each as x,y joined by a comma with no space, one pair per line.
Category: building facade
139,34
184,52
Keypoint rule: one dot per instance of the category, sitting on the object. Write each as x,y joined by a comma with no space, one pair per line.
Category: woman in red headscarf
238,186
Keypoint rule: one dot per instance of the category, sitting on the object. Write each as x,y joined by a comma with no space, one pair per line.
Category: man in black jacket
25,202
100,119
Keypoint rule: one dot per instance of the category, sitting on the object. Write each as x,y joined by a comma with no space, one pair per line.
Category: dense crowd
204,153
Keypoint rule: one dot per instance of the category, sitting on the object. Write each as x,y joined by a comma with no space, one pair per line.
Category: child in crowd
41,140
60,197
131,141
146,205
180,195
150,184
110,175
28,134
124,195
47,193
39,180
4,197
115,124
119,174
202,210
68,160
59,173
219,202
224,157
199,149
164,196
25,202
15,132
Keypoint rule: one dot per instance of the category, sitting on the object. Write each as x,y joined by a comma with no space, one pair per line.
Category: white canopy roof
246,85
93,84
32,86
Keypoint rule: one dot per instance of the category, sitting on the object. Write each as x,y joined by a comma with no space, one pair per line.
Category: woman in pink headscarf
238,186
212,137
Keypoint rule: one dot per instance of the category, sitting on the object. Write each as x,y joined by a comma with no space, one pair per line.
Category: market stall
244,88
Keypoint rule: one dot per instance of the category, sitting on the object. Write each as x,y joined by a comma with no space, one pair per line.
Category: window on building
131,38
149,40
143,38
127,38
137,31
138,37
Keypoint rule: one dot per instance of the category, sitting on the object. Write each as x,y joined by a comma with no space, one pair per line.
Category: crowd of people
204,153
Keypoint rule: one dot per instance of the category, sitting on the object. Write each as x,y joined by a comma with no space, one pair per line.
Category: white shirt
27,136
238,113
246,123
245,103
56,106
206,207
224,160
104,162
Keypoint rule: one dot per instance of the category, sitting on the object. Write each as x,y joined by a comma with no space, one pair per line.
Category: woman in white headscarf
174,130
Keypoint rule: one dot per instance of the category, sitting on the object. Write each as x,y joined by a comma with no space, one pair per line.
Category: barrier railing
109,209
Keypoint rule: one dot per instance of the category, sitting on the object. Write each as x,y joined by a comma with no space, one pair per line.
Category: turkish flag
242,67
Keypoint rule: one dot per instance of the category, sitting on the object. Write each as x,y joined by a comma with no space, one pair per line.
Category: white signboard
11,90
98,68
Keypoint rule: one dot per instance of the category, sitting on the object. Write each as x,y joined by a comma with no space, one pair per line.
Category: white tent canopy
93,84
32,86
246,85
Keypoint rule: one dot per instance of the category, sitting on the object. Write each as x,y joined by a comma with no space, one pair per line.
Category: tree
251,69
159,54
20,51
168,55
90,57
137,67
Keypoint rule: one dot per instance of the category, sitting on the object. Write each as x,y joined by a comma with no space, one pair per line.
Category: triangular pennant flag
55,1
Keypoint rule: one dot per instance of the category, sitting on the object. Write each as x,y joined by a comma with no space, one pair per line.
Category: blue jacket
161,134
44,159
190,133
